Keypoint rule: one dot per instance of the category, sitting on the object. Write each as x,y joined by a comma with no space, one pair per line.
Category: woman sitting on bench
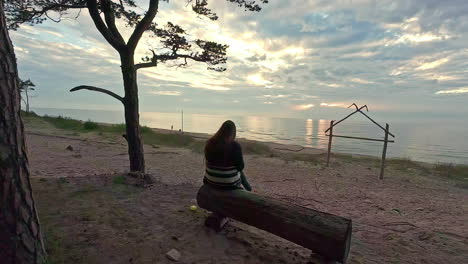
224,161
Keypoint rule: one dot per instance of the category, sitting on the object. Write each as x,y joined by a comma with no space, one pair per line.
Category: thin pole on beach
384,153
182,127
330,136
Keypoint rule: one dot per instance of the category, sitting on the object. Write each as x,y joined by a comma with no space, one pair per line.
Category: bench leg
216,221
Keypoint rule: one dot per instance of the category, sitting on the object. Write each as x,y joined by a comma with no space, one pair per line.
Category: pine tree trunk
132,116
20,236
27,100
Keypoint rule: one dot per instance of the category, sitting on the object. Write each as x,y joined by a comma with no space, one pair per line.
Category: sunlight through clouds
170,93
359,80
433,64
276,96
200,85
257,79
333,105
303,107
454,91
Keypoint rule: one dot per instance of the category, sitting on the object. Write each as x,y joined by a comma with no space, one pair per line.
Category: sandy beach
412,216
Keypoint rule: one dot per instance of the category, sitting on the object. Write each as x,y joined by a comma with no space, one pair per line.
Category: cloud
170,93
454,91
276,96
359,80
432,64
334,105
303,106
257,79
200,85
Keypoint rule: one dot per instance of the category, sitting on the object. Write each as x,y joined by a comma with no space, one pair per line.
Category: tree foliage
25,87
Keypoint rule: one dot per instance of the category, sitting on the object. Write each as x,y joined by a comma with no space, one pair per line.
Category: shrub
64,122
90,125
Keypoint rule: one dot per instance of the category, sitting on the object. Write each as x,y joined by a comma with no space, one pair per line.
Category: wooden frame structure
386,139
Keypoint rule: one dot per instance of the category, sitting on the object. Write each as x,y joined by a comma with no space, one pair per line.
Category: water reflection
309,128
321,138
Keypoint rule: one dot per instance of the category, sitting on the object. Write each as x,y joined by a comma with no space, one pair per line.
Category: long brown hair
218,142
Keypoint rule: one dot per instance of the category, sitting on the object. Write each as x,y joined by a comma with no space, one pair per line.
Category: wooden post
330,136
384,153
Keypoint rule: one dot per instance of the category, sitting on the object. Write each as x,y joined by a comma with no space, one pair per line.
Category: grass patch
254,147
452,171
198,146
151,137
360,159
64,122
31,114
57,253
120,179
315,159
85,192
406,164
114,129
145,129
77,126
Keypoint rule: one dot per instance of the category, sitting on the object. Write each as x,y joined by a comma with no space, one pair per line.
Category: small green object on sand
193,208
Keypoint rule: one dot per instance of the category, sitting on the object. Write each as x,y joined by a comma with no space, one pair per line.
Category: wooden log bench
325,234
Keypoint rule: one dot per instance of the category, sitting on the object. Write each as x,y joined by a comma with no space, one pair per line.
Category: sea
434,141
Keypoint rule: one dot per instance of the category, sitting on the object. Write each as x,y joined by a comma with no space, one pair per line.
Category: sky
405,59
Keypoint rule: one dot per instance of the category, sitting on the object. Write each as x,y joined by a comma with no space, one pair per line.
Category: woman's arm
238,157
239,163
244,182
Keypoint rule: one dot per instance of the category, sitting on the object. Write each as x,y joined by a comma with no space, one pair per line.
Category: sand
408,217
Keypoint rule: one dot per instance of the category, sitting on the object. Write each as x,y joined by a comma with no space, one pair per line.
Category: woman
224,161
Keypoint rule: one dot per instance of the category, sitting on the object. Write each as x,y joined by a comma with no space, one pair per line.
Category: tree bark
132,116
20,235
325,234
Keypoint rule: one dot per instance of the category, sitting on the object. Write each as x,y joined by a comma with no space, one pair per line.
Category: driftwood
325,234
385,140
363,138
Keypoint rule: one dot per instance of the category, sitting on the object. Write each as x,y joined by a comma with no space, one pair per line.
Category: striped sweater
224,167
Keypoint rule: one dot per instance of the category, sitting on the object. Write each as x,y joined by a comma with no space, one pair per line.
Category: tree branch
20,12
145,65
106,33
212,53
110,21
92,88
143,24
156,58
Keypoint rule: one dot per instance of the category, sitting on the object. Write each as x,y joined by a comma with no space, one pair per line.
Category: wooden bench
325,234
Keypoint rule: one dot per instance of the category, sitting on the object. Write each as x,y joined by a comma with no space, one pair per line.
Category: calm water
428,141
